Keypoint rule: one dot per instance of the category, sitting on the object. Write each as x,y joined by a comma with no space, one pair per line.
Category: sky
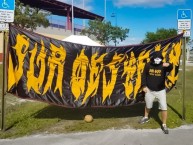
139,16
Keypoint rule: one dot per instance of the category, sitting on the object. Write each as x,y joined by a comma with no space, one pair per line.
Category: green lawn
35,117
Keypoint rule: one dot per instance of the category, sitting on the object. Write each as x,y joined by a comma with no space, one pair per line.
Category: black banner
74,75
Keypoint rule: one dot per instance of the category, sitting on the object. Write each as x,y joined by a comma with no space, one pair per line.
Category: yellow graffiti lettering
41,65
143,56
21,48
95,67
158,47
175,54
36,82
174,58
172,76
140,66
11,76
168,85
113,66
137,83
30,74
164,52
55,62
79,70
129,71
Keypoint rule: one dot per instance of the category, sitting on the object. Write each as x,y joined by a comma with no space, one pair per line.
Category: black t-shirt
154,76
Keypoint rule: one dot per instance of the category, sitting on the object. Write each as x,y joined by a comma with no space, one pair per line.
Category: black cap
157,54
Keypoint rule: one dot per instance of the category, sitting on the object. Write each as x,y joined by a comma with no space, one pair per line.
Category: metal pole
72,17
114,15
3,88
105,9
183,79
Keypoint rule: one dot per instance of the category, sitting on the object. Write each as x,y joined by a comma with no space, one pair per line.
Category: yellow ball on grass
88,118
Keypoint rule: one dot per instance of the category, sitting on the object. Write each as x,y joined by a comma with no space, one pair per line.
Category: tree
104,32
160,34
30,18
119,33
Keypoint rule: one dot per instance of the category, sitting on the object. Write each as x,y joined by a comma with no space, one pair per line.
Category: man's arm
169,66
144,79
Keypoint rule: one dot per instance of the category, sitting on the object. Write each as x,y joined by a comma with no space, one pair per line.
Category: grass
32,117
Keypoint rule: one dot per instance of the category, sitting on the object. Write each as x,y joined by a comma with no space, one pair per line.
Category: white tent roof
84,40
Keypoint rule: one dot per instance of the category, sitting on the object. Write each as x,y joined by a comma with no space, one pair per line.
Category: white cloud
79,3
146,3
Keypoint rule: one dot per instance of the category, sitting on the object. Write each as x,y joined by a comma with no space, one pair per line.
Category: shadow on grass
52,112
117,112
175,111
155,112
79,113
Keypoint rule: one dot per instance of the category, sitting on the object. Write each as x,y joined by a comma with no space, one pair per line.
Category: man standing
153,84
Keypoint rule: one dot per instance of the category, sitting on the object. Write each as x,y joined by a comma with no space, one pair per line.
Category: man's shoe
165,129
143,120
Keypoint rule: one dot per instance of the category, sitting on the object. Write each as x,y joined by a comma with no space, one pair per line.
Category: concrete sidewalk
178,136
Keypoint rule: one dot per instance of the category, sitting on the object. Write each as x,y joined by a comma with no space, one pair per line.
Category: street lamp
114,15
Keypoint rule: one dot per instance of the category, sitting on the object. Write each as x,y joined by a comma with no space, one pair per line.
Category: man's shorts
150,96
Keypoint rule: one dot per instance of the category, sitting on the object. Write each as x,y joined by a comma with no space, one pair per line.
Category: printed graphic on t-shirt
155,72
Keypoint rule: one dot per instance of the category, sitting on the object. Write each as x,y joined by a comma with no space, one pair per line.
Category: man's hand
145,89
165,64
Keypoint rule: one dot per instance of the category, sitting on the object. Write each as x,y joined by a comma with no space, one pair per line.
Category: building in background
62,9
58,29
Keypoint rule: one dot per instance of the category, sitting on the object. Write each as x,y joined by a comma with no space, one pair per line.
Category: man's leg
146,114
164,119
161,95
149,98
164,116
163,107
149,103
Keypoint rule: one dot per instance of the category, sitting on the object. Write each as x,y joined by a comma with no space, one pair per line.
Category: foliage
30,18
160,34
118,33
104,32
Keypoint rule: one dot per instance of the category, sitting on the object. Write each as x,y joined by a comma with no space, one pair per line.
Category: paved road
178,136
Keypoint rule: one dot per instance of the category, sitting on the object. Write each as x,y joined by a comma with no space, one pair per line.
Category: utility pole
184,78
3,86
105,9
